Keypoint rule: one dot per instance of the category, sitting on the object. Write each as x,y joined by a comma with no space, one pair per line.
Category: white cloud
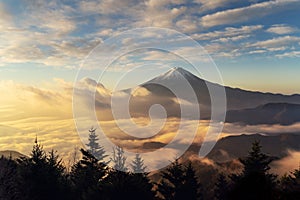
234,38
51,16
187,25
257,51
160,16
107,7
236,129
281,29
243,14
278,42
210,5
228,32
291,54
45,31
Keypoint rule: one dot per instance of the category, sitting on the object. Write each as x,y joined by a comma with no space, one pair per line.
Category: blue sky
255,43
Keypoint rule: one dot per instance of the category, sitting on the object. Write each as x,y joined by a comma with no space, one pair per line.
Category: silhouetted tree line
42,176
256,182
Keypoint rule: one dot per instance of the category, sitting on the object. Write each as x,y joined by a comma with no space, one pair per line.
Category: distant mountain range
271,113
233,147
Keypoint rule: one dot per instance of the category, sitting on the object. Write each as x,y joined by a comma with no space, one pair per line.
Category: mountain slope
271,113
236,98
232,147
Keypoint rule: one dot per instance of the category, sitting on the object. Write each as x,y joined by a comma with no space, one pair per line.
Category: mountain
271,113
165,88
237,99
233,147
12,154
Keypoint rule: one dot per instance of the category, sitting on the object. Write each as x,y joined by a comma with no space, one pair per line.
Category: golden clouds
27,111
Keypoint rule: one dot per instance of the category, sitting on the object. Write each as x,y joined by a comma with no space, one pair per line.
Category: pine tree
255,182
121,184
140,177
290,186
9,179
43,175
191,186
93,146
256,161
119,159
179,182
171,182
221,187
86,176
137,165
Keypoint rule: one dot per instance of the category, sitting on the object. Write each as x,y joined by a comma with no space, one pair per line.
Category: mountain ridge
270,113
237,146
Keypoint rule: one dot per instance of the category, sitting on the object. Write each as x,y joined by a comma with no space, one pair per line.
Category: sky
255,45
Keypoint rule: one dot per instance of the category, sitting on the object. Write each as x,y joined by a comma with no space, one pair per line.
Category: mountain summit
174,74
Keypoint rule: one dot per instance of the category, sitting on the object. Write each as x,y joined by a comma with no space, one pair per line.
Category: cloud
109,7
187,25
276,42
210,5
257,51
5,18
50,16
140,92
237,129
34,111
291,54
54,123
238,15
228,32
26,46
60,33
159,13
286,164
281,29
205,161
43,35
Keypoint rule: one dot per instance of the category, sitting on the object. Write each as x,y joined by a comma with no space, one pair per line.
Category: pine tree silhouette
191,187
255,182
290,186
42,176
172,181
221,187
121,184
119,159
179,182
93,146
86,176
137,164
9,180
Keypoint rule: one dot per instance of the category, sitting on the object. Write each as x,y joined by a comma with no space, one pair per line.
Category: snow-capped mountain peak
176,73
